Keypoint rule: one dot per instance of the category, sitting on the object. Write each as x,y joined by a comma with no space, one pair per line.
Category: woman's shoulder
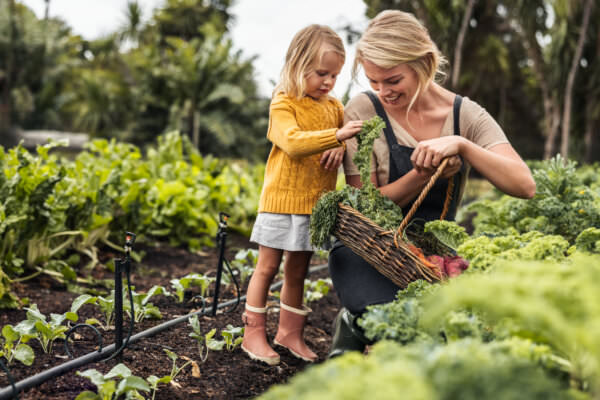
360,107
473,110
478,125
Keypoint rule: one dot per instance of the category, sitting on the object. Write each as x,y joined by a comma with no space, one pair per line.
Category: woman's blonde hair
304,55
395,37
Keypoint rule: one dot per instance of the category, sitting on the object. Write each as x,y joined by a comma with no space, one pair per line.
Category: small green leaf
87,395
119,370
25,354
132,383
10,334
94,376
171,355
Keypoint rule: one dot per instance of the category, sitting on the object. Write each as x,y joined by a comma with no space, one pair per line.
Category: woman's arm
500,164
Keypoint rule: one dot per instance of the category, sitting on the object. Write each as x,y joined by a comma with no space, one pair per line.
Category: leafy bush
466,369
563,205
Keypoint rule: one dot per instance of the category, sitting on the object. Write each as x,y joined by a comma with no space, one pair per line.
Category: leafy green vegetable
128,385
367,200
466,370
563,205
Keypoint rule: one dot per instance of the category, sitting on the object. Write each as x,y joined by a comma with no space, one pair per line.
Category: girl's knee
266,270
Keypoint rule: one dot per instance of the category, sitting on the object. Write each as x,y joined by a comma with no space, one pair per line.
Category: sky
261,27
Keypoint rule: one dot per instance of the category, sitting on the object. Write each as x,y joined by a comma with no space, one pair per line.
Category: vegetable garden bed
224,374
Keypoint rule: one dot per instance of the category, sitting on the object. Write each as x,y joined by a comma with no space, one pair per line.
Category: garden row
55,213
521,322
196,357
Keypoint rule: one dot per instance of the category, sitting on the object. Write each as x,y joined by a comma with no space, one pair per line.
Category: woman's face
395,86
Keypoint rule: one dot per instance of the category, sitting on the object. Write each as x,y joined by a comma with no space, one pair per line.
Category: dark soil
224,375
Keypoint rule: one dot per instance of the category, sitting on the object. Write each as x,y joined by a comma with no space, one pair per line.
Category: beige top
476,124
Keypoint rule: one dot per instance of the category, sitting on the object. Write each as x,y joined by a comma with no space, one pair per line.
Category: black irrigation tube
36,380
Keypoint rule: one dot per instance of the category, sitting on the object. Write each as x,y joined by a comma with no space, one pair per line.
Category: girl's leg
267,267
292,313
295,269
255,342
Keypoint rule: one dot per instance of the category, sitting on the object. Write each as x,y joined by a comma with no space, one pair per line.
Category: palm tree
204,78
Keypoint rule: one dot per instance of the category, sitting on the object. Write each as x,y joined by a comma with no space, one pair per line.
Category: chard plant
13,346
45,330
232,336
154,380
142,307
315,290
244,264
127,384
206,342
180,285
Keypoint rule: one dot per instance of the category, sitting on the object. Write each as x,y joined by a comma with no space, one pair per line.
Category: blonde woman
307,132
425,124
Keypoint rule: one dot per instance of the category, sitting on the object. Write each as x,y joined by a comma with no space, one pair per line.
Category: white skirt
282,231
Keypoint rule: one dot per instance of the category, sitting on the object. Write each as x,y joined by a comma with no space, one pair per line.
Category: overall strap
389,133
453,206
456,114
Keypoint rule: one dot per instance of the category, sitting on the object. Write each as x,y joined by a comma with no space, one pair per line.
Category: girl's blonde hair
304,55
395,37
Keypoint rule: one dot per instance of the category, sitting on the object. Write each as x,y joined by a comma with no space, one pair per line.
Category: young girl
305,127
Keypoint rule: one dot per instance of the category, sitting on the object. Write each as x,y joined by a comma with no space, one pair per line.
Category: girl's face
395,86
321,80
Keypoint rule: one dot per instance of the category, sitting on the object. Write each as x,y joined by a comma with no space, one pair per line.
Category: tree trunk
564,147
590,137
550,101
6,104
553,123
460,42
194,125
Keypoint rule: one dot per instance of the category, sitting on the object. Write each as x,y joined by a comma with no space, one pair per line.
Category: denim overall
356,282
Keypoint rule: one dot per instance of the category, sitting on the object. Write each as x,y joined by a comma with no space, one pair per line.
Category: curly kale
367,200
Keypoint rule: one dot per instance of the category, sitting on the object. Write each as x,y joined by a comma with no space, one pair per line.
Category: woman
425,124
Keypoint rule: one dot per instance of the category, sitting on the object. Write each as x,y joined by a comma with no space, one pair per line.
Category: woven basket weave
385,250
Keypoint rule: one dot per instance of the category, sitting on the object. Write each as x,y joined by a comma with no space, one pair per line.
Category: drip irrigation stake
221,236
7,393
119,305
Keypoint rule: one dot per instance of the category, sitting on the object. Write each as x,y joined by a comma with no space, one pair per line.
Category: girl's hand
348,130
429,153
332,158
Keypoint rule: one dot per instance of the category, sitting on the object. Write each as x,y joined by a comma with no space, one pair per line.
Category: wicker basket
386,250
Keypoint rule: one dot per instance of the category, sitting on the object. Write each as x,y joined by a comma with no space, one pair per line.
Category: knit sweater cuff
328,140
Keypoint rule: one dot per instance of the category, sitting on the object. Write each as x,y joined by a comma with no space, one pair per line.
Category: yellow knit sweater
300,131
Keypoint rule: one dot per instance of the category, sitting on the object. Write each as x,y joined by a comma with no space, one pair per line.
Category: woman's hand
332,158
428,154
453,166
348,130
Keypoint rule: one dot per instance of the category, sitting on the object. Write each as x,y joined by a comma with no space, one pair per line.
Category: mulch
224,375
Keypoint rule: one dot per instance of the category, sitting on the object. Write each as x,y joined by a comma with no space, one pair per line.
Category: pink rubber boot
290,332
255,336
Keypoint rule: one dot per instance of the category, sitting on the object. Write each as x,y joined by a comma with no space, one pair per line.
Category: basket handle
424,192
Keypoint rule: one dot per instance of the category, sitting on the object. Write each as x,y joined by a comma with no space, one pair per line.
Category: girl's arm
285,133
500,164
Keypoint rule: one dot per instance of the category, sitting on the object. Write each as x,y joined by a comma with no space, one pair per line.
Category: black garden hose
15,393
